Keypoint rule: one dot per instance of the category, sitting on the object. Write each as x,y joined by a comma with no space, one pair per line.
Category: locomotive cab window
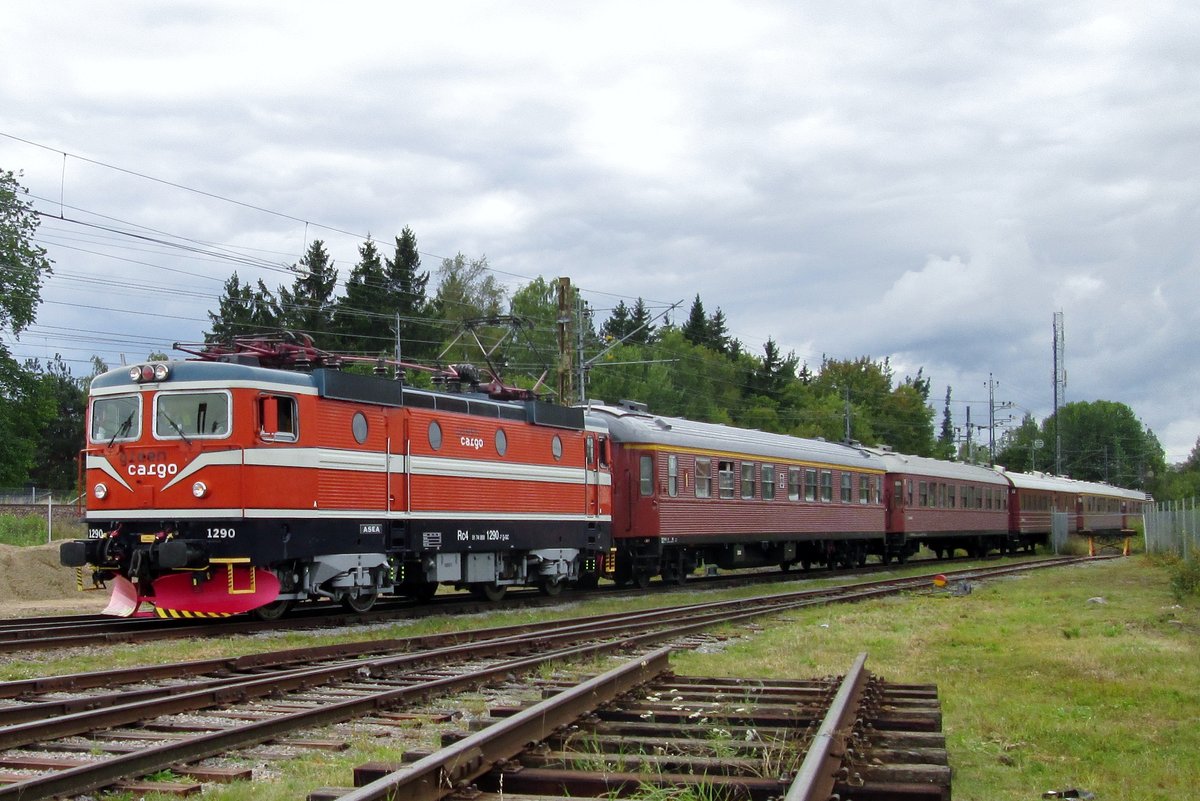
277,418
186,415
116,419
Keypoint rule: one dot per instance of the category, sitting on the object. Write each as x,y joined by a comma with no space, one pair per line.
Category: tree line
692,367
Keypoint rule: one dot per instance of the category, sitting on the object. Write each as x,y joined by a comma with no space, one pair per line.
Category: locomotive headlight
199,489
135,373
160,372
100,491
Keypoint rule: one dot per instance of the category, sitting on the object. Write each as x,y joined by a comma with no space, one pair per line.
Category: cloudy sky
920,180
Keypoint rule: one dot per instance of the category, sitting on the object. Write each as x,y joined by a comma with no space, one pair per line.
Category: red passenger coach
943,506
691,493
219,485
1088,508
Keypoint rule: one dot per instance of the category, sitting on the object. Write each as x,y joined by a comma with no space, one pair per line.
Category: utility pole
565,373
581,315
992,407
1060,385
847,415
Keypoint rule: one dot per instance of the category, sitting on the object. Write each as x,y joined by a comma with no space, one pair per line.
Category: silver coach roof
629,426
937,468
1045,481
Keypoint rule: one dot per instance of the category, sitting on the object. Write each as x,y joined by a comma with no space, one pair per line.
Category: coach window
923,495
847,488
810,484
116,419
183,415
793,483
748,469
768,482
646,475
877,488
827,486
672,475
725,479
950,501
703,478
910,493
502,445
864,489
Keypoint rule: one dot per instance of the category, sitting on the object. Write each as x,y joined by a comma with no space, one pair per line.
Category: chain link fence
1174,527
57,508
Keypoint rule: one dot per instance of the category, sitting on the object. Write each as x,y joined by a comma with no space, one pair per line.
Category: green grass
31,530
1041,687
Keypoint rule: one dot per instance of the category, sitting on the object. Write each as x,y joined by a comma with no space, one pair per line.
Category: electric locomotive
260,475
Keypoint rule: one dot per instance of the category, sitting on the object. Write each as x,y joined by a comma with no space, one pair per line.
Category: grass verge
1084,677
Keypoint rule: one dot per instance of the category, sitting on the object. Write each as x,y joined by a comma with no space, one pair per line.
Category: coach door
894,502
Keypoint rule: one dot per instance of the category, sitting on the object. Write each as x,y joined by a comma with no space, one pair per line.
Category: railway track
67,735
639,726
73,631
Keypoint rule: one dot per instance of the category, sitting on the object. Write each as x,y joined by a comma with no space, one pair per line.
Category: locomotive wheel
359,603
551,587
641,579
273,610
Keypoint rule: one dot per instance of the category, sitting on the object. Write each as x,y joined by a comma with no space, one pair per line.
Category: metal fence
1174,527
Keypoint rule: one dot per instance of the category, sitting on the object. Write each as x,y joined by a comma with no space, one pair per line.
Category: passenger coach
943,506
693,493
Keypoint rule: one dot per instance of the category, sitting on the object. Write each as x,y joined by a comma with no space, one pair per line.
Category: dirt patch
33,582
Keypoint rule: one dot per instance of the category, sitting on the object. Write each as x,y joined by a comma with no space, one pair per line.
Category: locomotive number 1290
222,533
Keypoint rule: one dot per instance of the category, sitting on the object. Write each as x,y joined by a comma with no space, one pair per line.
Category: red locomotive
227,484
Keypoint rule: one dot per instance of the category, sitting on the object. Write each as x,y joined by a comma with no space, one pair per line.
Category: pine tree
406,289
718,333
640,324
242,311
695,330
308,306
946,437
358,315
618,325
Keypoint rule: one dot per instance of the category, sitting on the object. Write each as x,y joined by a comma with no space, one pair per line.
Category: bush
1185,579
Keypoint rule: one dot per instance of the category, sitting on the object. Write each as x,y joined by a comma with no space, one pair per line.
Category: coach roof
937,468
635,427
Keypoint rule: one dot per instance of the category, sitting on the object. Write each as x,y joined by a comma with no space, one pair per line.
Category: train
260,474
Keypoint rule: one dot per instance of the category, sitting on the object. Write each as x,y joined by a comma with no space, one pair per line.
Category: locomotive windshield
116,419
182,415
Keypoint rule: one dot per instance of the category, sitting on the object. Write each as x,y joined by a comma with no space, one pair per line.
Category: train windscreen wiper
175,426
123,430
